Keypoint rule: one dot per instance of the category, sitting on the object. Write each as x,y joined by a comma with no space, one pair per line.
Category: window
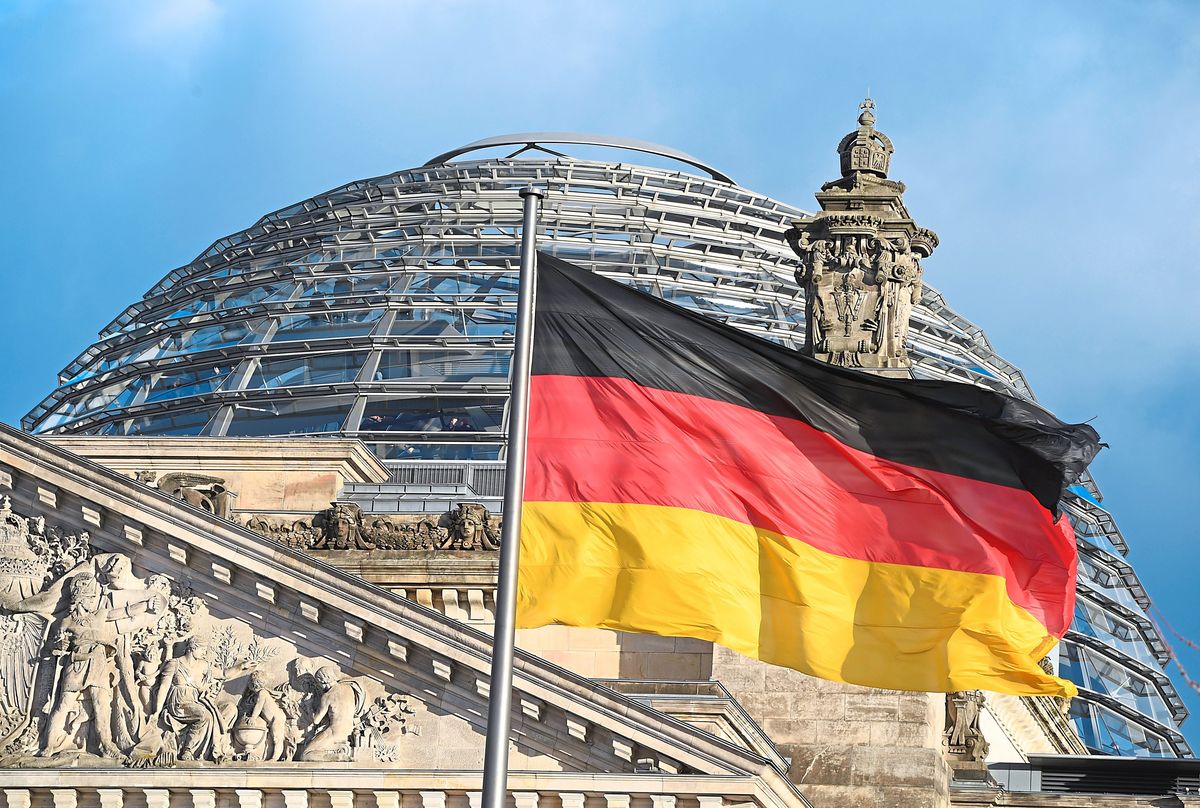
166,423
445,365
288,371
307,416
461,414
326,325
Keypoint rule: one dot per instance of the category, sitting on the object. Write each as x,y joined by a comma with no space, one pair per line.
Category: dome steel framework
383,310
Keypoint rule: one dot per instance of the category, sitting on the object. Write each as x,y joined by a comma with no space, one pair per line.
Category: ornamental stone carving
861,259
343,526
100,664
198,490
336,707
470,528
964,737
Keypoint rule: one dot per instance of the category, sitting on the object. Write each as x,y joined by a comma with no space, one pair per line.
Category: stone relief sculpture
964,738
266,724
100,663
342,526
860,259
337,705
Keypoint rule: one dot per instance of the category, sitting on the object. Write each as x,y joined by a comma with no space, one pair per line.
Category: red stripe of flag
649,446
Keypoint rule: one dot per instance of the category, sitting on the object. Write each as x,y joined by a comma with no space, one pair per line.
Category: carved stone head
327,676
84,594
159,583
257,681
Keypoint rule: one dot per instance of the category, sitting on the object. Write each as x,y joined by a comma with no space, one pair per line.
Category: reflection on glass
312,369
1096,621
186,382
190,340
436,451
1107,733
289,417
327,325
164,423
464,414
1094,671
430,365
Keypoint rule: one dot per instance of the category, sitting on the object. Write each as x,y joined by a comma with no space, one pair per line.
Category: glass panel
190,341
299,370
213,336
190,382
344,286
326,325
317,415
1099,576
266,293
1093,620
459,285
436,451
113,396
166,423
495,324
444,365
427,323
1095,672
433,414
1107,733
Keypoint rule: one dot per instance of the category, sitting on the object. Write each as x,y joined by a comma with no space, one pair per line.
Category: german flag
687,479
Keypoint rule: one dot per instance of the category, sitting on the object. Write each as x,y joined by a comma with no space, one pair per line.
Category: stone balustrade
265,787
475,606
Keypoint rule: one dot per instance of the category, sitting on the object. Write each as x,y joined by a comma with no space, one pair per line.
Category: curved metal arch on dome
533,140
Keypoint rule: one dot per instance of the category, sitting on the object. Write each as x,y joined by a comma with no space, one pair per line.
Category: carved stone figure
263,729
470,529
147,663
137,607
1063,703
341,528
860,259
380,724
84,699
96,685
964,738
337,705
199,490
22,569
298,533
186,703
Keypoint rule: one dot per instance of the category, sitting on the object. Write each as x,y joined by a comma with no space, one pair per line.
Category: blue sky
1052,146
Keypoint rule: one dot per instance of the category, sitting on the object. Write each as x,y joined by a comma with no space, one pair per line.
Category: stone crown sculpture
861,259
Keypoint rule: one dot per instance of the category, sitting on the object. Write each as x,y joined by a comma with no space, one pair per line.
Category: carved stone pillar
861,257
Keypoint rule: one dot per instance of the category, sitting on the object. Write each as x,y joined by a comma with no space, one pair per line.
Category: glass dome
384,310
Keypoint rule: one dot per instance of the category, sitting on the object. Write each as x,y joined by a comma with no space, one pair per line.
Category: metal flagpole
495,760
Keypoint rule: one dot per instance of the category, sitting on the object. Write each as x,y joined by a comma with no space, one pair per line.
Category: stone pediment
140,631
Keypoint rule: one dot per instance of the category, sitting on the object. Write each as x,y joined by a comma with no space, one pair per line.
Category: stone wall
849,746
